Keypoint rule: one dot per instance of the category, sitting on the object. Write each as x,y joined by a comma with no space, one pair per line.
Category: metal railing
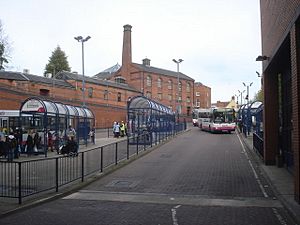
258,144
25,178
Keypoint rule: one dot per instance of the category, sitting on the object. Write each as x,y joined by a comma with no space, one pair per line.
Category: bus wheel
229,132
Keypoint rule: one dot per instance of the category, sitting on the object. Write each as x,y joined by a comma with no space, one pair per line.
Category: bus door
4,122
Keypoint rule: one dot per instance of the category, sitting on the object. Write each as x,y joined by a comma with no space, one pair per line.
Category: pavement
279,178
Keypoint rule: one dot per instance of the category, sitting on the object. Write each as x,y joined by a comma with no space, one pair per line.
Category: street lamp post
237,99
82,40
178,107
241,93
247,90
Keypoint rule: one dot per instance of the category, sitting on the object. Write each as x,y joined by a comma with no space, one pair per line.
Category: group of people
119,129
10,143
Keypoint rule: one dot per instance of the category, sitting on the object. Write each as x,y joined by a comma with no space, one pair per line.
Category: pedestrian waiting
116,130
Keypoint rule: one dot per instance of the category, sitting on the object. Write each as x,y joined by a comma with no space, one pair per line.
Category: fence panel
22,179
109,155
9,177
69,169
37,176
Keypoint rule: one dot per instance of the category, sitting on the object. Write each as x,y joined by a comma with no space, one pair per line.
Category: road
196,178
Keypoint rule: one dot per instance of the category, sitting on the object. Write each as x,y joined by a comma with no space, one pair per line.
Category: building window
120,80
119,96
159,82
44,92
197,94
188,110
188,87
198,102
90,92
148,94
188,99
105,94
179,98
170,85
159,96
170,97
149,81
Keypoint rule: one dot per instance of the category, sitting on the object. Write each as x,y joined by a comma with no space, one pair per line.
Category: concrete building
280,32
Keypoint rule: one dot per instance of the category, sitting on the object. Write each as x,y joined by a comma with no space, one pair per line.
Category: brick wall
106,111
277,18
295,61
202,95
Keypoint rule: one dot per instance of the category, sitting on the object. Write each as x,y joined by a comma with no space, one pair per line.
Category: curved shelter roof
36,105
141,102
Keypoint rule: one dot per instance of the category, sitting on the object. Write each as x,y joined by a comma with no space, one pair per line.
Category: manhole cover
165,156
122,183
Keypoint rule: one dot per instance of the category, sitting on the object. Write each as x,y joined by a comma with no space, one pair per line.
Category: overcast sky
217,39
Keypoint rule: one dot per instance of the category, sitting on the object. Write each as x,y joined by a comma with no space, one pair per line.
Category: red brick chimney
126,54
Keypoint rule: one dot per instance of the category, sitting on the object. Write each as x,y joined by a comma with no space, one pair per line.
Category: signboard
31,106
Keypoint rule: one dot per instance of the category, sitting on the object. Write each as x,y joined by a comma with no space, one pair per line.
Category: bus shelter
258,121
148,116
54,117
248,112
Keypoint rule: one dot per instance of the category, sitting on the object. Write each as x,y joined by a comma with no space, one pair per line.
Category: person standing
92,135
71,132
122,129
29,143
117,130
114,128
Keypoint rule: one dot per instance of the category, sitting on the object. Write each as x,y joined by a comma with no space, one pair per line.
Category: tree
57,62
259,96
4,48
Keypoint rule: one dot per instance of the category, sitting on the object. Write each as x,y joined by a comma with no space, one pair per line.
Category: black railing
25,178
258,144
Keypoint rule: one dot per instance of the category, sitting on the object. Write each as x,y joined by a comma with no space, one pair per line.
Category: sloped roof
108,73
9,75
156,70
78,77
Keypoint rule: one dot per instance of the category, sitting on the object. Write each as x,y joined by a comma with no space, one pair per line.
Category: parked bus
220,120
203,117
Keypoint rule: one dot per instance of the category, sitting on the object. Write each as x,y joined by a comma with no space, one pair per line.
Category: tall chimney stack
126,54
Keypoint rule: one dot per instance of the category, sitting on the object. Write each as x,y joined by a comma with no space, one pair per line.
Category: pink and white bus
219,120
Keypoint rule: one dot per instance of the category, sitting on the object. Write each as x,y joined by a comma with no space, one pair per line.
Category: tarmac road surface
196,178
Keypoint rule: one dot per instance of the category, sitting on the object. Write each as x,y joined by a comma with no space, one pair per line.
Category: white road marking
174,218
253,170
279,217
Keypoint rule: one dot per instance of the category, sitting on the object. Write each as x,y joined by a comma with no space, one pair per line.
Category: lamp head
261,58
87,38
78,38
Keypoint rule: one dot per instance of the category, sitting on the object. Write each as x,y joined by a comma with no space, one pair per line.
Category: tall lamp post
178,107
241,93
82,40
237,99
247,90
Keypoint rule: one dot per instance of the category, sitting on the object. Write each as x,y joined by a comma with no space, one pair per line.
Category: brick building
202,95
107,100
280,26
173,89
107,92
